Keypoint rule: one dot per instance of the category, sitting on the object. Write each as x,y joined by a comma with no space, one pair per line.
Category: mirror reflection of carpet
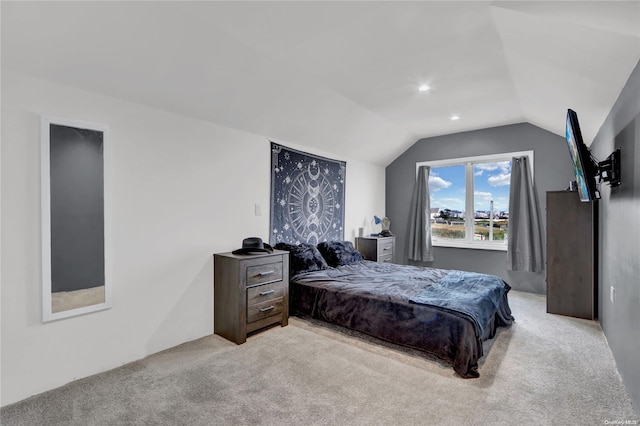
67,300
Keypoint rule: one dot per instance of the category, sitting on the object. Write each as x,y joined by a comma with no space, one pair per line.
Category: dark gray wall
552,171
619,242
77,208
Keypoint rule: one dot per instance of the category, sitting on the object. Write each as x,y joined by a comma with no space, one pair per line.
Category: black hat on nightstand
253,245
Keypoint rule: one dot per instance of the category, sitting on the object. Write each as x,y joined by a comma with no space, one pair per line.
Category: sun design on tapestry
307,194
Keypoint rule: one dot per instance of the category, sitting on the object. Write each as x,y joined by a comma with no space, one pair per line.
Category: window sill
477,245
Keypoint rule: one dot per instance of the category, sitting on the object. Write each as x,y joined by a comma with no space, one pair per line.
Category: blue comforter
386,301
474,295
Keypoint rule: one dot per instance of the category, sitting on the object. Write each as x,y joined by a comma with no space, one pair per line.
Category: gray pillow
303,258
338,253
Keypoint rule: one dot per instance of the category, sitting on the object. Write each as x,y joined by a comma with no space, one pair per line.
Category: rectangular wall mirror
75,221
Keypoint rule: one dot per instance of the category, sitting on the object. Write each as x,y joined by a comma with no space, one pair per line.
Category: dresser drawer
266,273
264,292
264,309
388,258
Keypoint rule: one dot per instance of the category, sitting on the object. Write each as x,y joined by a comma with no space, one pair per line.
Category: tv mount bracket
609,169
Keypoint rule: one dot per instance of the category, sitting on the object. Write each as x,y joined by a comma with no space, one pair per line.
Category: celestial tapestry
307,197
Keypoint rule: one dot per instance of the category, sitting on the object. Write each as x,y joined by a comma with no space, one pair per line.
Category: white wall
182,190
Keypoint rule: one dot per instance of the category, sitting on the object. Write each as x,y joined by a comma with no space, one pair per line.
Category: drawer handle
264,293
386,248
266,273
268,308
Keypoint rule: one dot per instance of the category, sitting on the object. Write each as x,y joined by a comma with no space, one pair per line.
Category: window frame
468,242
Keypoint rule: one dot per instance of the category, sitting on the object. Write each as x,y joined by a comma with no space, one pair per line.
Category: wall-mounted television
586,168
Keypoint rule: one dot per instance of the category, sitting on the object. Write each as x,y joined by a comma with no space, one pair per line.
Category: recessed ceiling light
423,88
455,117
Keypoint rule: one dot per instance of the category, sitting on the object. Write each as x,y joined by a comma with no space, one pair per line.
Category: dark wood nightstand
250,292
379,249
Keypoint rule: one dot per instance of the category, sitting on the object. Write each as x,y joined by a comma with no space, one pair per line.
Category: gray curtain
420,248
524,252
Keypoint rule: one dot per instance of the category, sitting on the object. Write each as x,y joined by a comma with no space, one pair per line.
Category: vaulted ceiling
338,76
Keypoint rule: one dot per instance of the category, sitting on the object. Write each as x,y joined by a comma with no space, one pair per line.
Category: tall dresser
378,249
572,256
250,292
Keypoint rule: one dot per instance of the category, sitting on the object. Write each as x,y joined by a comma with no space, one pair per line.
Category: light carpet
545,369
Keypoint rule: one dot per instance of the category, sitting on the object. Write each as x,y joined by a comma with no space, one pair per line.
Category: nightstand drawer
385,247
264,292
264,309
267,273
387,258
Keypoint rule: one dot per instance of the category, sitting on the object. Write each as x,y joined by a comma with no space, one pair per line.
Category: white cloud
436,183
502,179
481,167
448,203
485,196
503,166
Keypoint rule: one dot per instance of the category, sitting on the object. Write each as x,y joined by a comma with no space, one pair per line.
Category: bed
443,312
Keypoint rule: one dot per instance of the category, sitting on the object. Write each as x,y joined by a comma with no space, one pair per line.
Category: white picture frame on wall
75,222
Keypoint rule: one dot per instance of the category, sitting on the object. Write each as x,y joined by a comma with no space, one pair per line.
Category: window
470,200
